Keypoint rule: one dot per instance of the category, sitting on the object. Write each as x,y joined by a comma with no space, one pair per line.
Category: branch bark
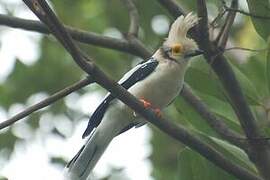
42,10
46,102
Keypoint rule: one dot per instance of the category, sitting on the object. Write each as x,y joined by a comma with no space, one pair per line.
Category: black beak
193,53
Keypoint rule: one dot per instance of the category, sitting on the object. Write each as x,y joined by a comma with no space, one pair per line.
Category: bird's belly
159,91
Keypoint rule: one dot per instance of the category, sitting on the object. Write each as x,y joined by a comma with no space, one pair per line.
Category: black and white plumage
157,80
138,73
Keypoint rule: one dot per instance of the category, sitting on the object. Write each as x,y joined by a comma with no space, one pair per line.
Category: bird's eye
177,49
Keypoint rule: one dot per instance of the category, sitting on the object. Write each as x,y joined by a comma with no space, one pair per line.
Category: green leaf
194,120
219,107
237,153
7,140
201,78
248,87
253,73
192,166
260,8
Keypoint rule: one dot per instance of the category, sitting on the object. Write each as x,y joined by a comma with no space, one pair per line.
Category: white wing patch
129,73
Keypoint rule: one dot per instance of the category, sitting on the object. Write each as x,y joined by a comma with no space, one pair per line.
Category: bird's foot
147,104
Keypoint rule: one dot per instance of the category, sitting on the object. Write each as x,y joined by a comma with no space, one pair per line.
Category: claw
146,104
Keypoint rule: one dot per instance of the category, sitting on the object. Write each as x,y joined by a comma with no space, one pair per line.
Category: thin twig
173,7
174,130
244,49
220,52
246,13
133,18
223,36
79,35
46,102
217,18
216,123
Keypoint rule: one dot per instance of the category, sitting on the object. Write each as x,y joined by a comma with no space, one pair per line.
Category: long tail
85,160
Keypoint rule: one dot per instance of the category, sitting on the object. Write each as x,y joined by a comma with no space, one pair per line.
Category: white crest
180,28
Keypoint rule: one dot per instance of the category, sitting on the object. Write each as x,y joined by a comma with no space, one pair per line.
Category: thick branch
46,102
42,10
203,22
133,16
216,123
79,35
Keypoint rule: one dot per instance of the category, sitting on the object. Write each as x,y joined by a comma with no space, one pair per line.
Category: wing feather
138,73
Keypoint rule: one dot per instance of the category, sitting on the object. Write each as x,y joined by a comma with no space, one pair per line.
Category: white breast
162,86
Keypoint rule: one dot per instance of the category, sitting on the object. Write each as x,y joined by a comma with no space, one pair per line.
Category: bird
155,82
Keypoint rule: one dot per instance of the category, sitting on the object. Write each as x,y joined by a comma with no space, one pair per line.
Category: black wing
138,73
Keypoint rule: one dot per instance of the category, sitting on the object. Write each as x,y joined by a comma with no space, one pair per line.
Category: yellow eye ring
177,49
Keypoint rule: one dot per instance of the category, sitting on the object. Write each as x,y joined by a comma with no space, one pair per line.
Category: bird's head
178,47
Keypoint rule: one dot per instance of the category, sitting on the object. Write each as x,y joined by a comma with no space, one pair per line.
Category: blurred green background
54,69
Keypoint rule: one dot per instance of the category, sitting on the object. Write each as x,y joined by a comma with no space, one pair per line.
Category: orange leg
147,104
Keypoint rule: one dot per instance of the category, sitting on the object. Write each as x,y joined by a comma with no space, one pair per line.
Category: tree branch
223,35
216,123
133,16
203,22
79,35
173,7
46,102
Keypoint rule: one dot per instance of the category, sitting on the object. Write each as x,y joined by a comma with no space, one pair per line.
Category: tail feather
85,160
75,157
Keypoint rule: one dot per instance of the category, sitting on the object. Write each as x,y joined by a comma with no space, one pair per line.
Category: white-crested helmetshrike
156,82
